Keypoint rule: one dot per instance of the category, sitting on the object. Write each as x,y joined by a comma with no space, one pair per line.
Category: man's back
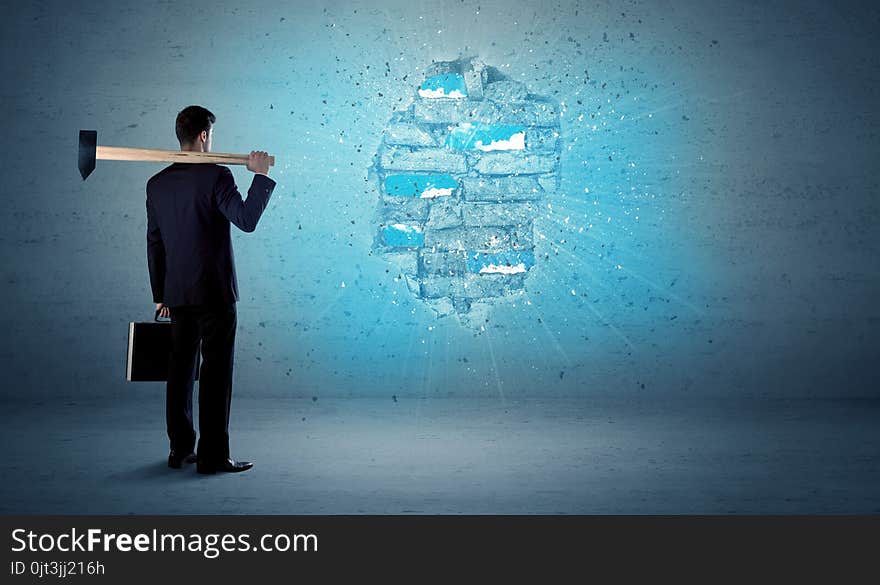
189,247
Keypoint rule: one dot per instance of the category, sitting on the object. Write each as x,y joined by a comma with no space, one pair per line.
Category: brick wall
462,171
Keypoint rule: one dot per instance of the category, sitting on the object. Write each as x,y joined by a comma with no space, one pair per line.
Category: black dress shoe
227,465
176,459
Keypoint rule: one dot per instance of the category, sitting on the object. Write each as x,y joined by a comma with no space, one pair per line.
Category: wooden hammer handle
181,156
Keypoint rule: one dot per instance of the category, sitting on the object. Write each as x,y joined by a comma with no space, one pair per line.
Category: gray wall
735,154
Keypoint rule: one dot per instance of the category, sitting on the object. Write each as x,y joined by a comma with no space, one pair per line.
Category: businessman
192,275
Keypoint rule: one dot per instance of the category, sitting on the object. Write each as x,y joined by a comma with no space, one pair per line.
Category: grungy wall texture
714,230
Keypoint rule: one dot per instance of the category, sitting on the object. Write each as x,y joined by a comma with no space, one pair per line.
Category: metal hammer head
88,145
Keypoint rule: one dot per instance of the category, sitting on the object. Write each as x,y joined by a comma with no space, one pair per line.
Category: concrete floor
356,456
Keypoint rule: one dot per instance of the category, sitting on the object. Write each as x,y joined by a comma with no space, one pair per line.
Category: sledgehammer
89,152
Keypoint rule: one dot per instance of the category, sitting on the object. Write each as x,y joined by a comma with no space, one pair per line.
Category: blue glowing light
505,261
415,185
450,85
483,136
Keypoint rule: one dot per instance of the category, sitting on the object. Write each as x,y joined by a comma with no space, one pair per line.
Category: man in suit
192,275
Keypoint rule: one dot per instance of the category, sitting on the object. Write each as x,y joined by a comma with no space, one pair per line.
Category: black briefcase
149,347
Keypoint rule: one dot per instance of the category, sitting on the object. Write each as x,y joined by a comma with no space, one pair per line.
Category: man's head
195,127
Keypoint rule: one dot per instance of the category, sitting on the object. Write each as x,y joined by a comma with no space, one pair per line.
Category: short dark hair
191,121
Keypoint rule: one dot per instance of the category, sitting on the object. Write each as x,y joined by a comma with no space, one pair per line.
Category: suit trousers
214,326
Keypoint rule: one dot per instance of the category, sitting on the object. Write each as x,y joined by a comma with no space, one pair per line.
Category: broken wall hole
461,172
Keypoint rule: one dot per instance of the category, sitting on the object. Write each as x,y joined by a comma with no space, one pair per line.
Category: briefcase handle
156,318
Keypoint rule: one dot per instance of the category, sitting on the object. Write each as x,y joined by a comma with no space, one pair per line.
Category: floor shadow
155,470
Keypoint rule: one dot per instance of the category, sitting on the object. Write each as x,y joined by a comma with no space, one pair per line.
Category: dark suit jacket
189,248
